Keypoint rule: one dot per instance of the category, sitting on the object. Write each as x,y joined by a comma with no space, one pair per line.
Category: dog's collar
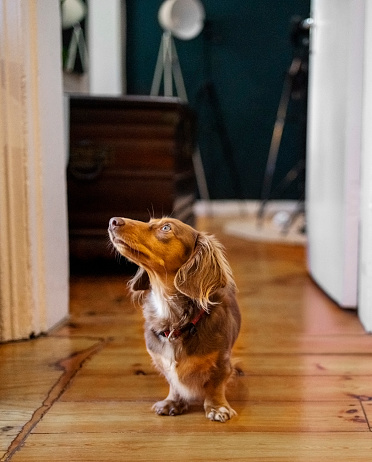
191,327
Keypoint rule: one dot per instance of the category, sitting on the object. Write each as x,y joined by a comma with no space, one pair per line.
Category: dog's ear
140,281
205,272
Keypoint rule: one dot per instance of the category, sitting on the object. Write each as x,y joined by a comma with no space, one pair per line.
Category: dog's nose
115,222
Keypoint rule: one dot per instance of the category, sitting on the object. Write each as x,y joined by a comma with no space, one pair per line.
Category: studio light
73,12
183,19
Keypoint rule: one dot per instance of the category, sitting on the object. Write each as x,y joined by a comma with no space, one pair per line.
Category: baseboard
241,207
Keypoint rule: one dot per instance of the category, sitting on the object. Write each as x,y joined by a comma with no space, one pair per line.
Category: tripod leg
224,138
200,175
168,64
277,135
294,173
300,209
168,67
177,74
72,51
155,87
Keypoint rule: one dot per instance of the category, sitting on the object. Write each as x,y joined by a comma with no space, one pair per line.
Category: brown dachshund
191,315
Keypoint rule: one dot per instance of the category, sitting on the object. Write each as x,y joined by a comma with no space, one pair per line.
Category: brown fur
183,275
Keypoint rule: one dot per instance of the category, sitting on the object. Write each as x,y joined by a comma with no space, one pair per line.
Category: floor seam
70,366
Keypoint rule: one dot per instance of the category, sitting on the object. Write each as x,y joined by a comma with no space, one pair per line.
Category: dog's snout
115,222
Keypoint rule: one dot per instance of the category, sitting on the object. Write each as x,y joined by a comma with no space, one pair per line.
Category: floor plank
279,447
84,393
116,416
30,375
114,358
367,408
91,387
305,364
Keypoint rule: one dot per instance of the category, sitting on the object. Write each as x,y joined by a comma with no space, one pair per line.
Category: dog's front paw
219,413
169,407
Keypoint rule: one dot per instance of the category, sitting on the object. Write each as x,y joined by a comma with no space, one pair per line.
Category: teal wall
242,55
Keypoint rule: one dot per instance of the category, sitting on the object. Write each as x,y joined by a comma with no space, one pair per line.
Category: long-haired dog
191,315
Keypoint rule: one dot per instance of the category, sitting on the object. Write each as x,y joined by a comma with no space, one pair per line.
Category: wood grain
279,447
115,416
85,392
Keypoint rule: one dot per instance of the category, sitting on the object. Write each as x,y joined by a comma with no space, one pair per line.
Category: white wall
105,45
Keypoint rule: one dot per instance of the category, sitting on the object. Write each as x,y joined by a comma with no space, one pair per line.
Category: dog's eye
166,227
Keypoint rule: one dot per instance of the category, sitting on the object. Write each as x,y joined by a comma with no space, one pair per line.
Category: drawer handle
87,164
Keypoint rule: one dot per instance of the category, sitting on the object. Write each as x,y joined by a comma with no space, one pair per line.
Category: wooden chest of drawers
129,157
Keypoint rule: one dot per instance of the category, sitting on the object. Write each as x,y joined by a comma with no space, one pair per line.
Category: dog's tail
238,370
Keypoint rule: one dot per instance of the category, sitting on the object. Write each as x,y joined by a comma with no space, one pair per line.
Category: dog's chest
166,359
166,363
159,305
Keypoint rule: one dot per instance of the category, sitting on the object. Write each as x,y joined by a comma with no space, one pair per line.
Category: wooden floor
84,393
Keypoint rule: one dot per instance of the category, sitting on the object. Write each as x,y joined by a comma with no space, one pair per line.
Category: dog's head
170,252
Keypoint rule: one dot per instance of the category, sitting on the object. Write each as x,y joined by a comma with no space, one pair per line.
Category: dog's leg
215,404
171,405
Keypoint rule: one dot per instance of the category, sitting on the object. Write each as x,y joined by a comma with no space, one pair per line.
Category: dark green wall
242,56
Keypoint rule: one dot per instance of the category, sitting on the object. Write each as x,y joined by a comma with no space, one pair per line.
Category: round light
73,11
183,18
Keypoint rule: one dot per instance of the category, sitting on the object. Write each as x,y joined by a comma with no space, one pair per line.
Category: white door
334,146
365,252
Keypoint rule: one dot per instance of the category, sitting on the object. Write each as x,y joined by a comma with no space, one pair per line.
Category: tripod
295,86
168,68
207,96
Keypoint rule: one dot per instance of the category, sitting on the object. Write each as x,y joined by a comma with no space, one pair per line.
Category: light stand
77,44
168,67
73,12
184,19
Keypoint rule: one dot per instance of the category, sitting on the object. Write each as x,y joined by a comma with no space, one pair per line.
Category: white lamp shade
183,18
73,11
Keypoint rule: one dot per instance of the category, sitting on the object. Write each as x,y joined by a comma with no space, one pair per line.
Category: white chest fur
168,366
160,304
165,361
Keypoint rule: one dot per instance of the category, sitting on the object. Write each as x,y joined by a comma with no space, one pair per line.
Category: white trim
241,207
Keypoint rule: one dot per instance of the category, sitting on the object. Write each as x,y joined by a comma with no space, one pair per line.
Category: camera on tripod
294,87
300,31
